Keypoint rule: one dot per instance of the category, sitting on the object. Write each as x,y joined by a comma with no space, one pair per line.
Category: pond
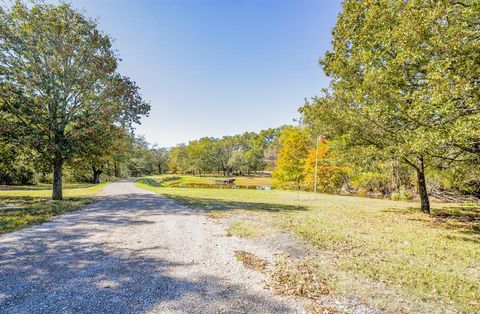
221,186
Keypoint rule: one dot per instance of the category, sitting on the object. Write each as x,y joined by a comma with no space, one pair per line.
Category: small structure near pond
225,181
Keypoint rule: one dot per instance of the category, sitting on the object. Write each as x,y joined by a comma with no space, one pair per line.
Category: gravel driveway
130,252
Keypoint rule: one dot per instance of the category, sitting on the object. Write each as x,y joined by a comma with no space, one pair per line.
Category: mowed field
22,206
385,254
174,180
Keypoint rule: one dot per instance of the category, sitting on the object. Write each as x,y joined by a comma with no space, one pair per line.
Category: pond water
222,186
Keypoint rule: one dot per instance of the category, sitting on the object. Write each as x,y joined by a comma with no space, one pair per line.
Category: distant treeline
239,154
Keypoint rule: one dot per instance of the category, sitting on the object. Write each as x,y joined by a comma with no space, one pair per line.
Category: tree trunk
115,166
422,186
57,178
96,175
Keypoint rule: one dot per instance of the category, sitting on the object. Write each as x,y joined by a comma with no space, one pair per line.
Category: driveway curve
131,251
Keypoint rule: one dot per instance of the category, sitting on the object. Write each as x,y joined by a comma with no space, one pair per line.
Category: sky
218,67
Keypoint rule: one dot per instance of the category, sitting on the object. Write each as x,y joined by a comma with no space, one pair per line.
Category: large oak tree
58,83
405,82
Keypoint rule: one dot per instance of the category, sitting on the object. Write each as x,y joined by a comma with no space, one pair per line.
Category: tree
178,156
294,146
259,143
227,146
57,73
162,158
238,162
101,150
16,164
142,160
329,173
394,91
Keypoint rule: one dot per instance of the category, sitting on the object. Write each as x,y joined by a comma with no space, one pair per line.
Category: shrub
401,195
329,174
362,192
373,182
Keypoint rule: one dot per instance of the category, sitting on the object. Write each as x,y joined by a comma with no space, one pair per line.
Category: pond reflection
221,186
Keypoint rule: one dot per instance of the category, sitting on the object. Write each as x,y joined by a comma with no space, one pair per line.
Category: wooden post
316,169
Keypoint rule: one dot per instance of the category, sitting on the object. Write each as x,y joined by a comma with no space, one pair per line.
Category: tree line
242,154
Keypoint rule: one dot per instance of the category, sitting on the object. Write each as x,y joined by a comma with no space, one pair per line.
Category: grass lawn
385,253
210,180
22,206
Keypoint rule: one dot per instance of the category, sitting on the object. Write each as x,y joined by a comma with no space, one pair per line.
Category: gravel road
131,252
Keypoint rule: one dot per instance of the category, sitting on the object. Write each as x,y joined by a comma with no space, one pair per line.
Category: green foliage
102,154
462,177
403,83
141,160
329,173
161,157
239,162
401,195
16,165
373,181
59,90
239,154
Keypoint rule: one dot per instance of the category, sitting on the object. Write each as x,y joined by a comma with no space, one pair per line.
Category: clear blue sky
218,67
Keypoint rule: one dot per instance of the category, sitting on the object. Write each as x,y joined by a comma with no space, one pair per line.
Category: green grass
209,180
384,252
23,206
45,190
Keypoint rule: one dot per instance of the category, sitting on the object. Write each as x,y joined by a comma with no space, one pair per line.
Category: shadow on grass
467,213
23,188
18,212
464,218
20,200
44,187
219,204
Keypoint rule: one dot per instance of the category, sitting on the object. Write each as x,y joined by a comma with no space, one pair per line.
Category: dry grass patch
298,278
217,214
251,261
245,229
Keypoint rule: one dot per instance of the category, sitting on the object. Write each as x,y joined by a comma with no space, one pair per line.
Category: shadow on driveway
57,267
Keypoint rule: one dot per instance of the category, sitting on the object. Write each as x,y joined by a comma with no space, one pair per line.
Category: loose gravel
131,252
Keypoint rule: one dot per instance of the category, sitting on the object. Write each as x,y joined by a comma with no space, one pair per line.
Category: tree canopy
59,87
403,82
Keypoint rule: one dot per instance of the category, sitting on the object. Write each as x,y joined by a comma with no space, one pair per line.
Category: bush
17,174
329,172
373,182
401,195
362,192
